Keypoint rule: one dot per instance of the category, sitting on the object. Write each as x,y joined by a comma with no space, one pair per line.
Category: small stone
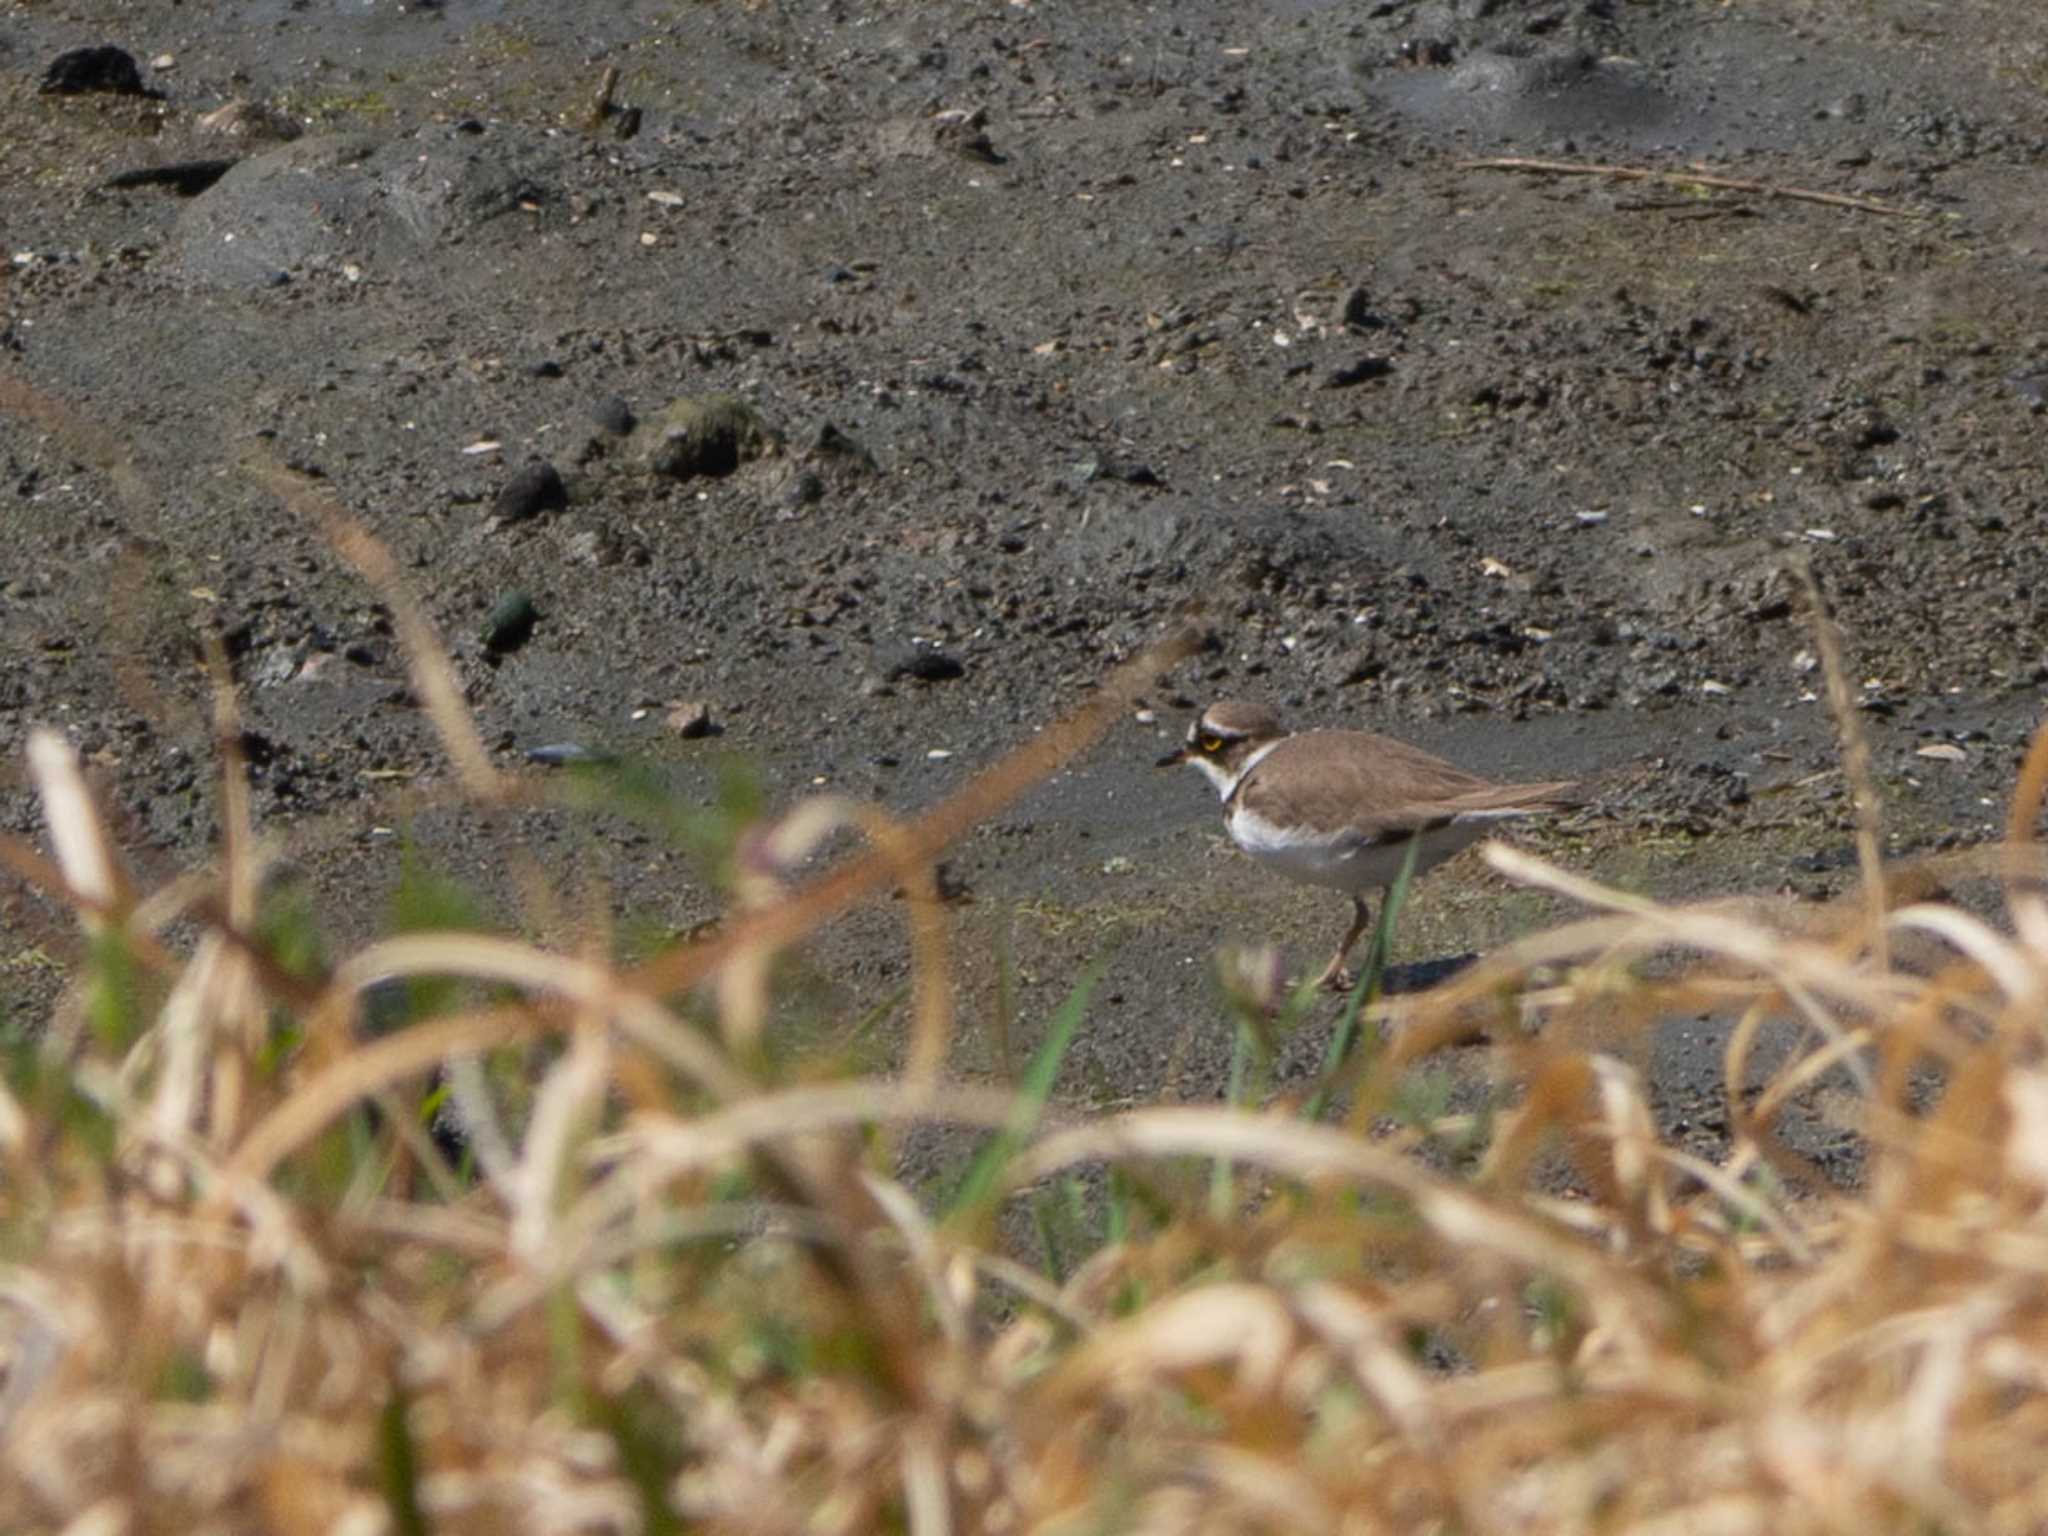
535,489
614,415
565,754
1358,312
164,61
545,368
509,624
1103,467
690,719
926,663
1358,371
805,488
104,68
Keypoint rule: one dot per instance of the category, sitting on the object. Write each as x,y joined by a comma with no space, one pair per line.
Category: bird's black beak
1173,759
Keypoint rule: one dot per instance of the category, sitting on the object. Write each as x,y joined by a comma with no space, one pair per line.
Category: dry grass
242,1289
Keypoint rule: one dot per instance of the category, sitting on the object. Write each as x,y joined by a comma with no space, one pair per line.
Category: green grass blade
1345,1040
398,1467
1032,1092
1223,1172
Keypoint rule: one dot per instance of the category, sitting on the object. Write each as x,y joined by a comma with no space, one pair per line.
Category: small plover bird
1340,808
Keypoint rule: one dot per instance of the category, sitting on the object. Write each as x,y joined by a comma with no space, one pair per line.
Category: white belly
1347,863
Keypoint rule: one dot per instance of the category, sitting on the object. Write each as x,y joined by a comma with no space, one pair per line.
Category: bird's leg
1335,978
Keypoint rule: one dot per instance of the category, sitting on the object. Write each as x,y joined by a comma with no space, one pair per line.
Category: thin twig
1687,179
1856,761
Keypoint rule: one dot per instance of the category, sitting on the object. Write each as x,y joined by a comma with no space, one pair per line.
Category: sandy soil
1046,319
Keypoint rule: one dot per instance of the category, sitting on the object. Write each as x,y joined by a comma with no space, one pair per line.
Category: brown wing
1378,786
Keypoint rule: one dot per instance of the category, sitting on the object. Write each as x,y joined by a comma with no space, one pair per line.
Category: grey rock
535,489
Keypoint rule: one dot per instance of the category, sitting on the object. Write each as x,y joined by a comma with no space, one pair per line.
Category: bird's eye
1212,743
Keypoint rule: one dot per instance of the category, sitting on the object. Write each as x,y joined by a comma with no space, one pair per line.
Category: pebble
614,415
1371,366
510,624
1102,467
102,68
562,754
1358,312
690,719
806,487
926,663
535,489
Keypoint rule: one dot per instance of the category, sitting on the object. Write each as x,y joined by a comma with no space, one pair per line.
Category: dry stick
435,679
601,106
84,440
1855,761
1687,179
2023,895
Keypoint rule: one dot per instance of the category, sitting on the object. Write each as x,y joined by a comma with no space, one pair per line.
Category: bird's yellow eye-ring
1212,743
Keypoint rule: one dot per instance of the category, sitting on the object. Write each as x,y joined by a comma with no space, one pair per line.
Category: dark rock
805,489
535,489
965,133
509,624
546,368
187,178
1103,467
614,415
1357,372
566,754
102,68
926,663
1358,312
691,719
831,443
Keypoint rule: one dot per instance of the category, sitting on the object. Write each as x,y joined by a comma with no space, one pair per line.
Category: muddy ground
1045,319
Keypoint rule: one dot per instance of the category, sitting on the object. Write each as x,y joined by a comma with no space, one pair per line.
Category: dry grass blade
1855,756
432,675
84,857
2024,896
1684,179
